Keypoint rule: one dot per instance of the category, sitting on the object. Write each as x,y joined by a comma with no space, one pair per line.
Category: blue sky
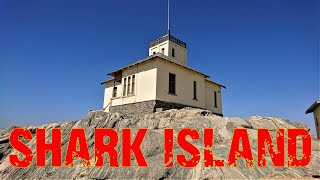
54,54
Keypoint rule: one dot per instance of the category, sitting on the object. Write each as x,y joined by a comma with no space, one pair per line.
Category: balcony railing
172,39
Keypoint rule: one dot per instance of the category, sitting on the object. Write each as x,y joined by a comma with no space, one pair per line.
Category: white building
161,81
315,108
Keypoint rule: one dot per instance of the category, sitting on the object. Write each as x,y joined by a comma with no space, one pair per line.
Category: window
129,78
133,83
114,91
172,52
215,100
172,83
162,50
124,86
195,90
154,52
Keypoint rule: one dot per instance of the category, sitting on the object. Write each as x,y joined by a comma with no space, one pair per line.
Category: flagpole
169,17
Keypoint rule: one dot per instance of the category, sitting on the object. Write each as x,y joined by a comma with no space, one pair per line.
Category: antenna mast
169,17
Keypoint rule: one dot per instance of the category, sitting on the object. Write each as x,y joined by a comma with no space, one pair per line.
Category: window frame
162,50
129,83
172,84
215,99
115,93
133,84
195,90
124,86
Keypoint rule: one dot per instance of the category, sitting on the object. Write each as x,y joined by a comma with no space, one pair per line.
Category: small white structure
315,108
161,81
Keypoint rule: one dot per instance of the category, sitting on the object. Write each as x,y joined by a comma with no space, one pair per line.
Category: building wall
152,83
316,114
184,85
180,52
107,95
158,48
145,85
135,110
210,88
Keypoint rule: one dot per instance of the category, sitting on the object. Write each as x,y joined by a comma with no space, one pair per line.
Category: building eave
131,65
314,106
159,55
112,79
209,80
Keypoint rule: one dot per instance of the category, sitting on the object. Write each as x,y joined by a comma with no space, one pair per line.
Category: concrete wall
180,52
135,110
145,85
184,84
152,83
158,48
107,95
210,88
316,114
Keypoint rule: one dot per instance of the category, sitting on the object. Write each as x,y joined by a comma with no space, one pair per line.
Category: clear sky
55,53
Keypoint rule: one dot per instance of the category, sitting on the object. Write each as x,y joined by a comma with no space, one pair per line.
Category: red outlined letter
292,147
110,148
190,148
208,144
54,147
135,147
264,138
21,147
168,148
235,153
73,153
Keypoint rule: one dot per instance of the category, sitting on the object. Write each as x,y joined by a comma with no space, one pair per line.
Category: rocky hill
152,148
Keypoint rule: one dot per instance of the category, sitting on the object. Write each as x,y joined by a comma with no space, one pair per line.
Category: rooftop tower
170,45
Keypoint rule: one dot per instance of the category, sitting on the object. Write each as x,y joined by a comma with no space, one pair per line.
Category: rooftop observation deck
168,37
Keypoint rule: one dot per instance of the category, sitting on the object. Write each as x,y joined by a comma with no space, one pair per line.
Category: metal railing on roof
172,39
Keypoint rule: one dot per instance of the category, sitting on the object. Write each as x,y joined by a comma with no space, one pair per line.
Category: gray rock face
153,150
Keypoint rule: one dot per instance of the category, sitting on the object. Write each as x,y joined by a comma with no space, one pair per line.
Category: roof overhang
313,107
112,79
161,56
215,83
